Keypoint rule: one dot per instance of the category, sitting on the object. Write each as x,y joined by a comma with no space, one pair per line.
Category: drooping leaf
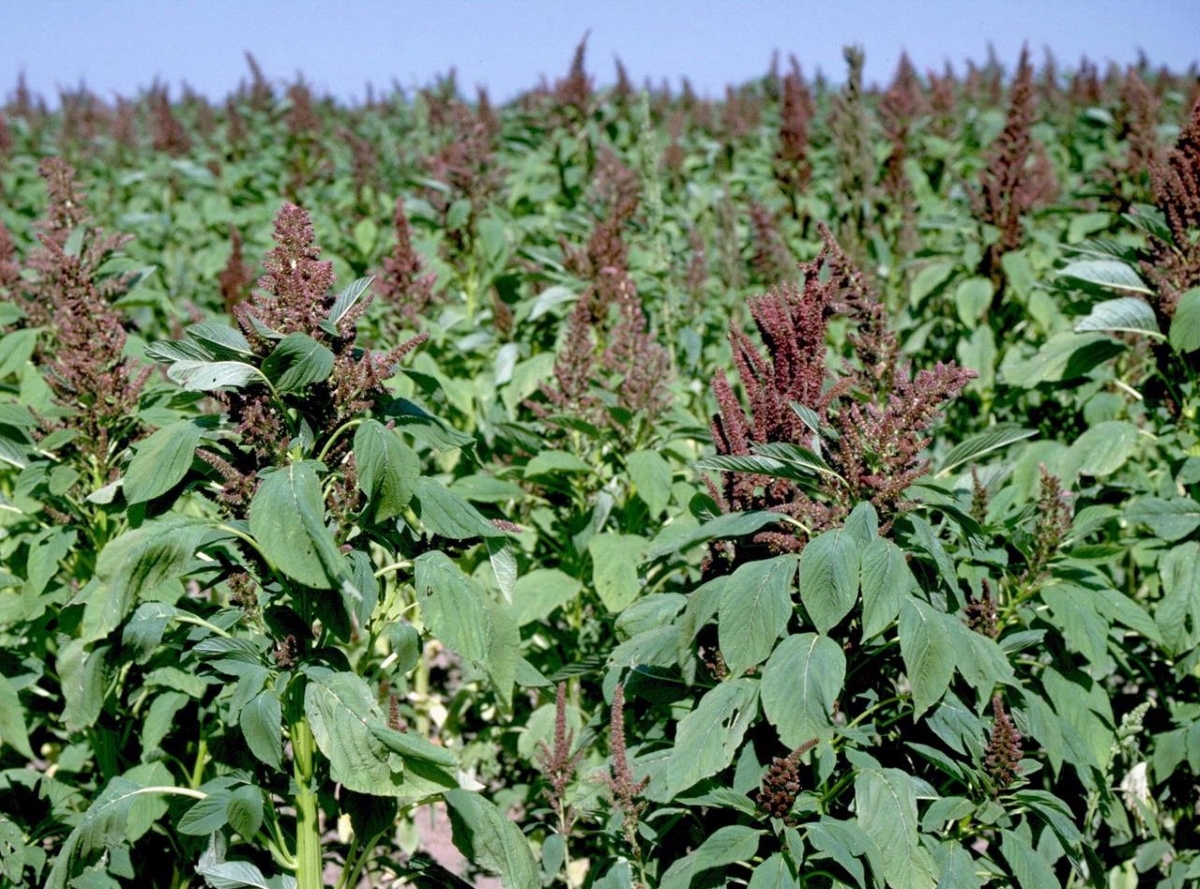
449,515
261,722
927,649
886,807
1101,450
287,518
387,470
102,827
651,475
727,845
538,592
347,299
829,568
1065,356
222,342
756,603
1030,868
708,738
13,730
1178,612
161,461
1185,324
673,539
486,837
886,579
800,685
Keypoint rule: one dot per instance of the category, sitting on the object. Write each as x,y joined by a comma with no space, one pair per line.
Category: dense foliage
797,489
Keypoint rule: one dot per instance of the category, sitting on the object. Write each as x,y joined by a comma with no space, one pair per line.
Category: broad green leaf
261,722
651,475
1109,273
287,518
732,844
238,874
387,470
16,348
446,514
674,539
1125,315
102,826
161,461
1178,612
137,563
537,593
1065,356
1185,325
13,730
972,298
554,463
829,567
800,686
549,298
245,810
298,361
929,279
460,614
83,673
756,604
958,870
774,873
1171,519
984,443
615,560
845,843
886,579
886,806
206,816
708,738
346,723
205,376
928,652
222,342
1101,450
1031,870
490,840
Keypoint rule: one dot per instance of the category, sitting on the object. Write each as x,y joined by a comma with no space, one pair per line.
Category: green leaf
16,348
446,514
1101,450
161,461
137,563
554,463
929,279
1185,325
12,720
490,840
1109,273
1032,871
886,806
774,873
537,593
238,874
387,470
1178,612
1171,519
756,603
101,827
221,342
205,376
800,686
674,539
927,649
298,361
347,725
829,567
708,738
972,298
983,443
459,614
207,816
348,299
1125,315
287,518
245,810
728,845
845,843
651,475
615,560
1065,356
261,722
886,579
549,298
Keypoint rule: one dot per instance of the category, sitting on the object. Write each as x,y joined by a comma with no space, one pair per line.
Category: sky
116,47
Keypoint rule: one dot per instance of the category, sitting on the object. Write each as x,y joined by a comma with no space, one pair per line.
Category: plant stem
308,832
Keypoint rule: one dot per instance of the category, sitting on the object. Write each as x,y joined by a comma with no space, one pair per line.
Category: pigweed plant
620,487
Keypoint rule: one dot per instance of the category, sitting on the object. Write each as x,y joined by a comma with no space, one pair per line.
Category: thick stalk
308,832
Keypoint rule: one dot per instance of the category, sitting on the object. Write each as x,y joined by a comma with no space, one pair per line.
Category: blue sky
341,45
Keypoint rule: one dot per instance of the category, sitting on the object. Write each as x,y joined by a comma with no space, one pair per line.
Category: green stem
308,831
